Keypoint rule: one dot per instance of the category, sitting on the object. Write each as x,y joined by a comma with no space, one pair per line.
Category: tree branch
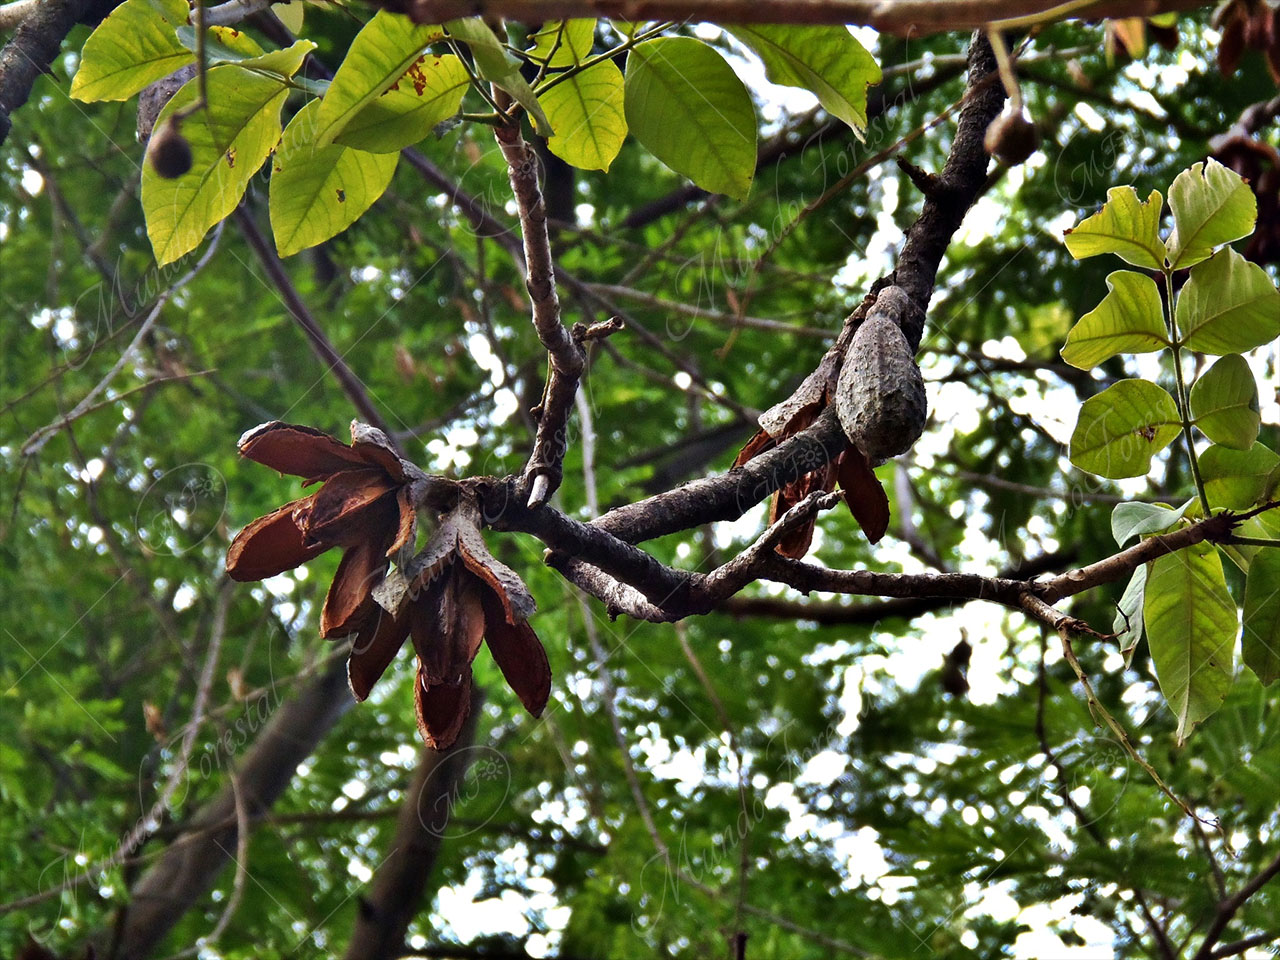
383,917
34,44
904,17
189,866
565,356
1228,908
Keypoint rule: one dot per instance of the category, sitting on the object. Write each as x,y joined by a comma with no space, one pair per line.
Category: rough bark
383,916
188,868
32,48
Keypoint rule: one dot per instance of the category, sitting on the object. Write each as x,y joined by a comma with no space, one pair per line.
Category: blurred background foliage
878,814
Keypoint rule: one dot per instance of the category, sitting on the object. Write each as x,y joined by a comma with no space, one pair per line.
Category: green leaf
229,140
499,67
1130,319
285,62
1121,428
1260,643
1228,305
1265,525
1130,520
221,44
688,108
1124,226
317,192
1211,205
827,61
387,46
587,115
1237,479
563,43
134,46
1224,403
429,93
1191,631
1127,625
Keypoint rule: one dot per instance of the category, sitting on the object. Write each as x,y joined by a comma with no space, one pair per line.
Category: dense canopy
1006,689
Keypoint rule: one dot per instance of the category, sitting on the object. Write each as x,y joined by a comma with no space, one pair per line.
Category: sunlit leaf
1224,403
1260,642
317,192
1191,630
563,43
1120,429
828,61
1125,226
1211,205
1237,479
499,67
1129,319
221,44
1128,620
229,140
136,44
689,109
1228,305
1129,520
429,92
379,56
587,115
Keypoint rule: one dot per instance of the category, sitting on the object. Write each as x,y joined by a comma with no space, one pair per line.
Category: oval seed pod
1012,137
169,151
880,396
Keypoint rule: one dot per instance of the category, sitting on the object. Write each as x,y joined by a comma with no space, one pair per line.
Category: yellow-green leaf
1260,643
1130,319
1120,429
317,192
1224,402
429,92
1228,305
135,45
229,140
586,113
379,56
1237,479
1211,205
498,66
221,44
563,43
688,108
1191,632
1125,226
828,61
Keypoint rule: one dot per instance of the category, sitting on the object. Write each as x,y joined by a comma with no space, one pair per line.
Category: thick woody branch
39,36
903,17
729,496
395,896
631,582
953,191
543,472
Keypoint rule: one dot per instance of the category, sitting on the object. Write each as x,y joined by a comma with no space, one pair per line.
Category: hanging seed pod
880,397
1012,137
169,152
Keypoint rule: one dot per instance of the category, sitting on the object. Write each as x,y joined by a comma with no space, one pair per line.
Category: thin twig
565,358
37,440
